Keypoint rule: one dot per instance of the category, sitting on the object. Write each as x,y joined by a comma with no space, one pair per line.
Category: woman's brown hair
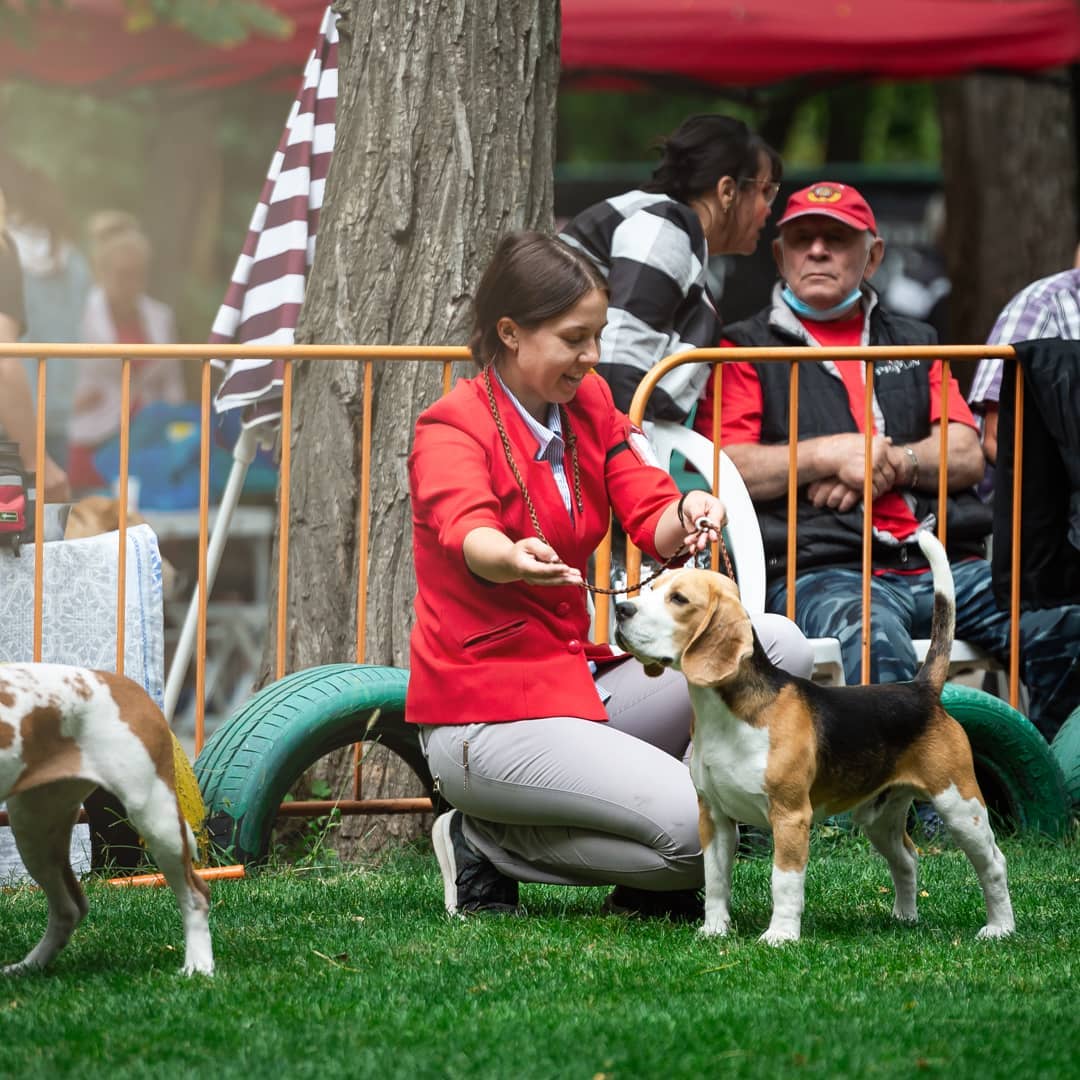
531,278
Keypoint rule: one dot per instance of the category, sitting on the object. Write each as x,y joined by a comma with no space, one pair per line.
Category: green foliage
889,123
97,151
359,973
94,149
310,847
613,126
217,22
305,844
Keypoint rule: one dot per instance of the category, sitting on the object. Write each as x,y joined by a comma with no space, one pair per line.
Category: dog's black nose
624,609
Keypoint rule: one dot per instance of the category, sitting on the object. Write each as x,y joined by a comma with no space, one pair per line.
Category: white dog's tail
935,667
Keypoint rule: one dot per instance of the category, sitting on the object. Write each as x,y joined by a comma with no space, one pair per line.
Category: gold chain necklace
570,438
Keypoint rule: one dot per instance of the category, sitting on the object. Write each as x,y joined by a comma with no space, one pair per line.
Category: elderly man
827,250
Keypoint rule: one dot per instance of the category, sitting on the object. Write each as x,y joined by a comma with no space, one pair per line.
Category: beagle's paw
779,935
990,933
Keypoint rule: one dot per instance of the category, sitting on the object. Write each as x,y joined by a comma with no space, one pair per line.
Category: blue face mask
801,307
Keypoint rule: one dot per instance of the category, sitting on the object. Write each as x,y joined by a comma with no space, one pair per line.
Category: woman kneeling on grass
565,763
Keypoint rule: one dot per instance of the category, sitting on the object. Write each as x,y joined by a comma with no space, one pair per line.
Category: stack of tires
1017,770
1066,751
251,762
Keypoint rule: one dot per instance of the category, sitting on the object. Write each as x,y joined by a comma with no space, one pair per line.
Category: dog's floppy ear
722,640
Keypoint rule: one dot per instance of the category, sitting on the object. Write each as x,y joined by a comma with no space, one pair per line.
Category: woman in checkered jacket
709,195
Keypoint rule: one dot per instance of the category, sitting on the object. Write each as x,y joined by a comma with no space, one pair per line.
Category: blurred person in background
56,280
17,410
118,311
920,287
1047,308
710,195
827,250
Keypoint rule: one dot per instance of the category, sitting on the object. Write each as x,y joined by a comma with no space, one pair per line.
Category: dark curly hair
705,148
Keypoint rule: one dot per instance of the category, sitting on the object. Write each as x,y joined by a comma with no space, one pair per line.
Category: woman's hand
703,516
538,564
493,556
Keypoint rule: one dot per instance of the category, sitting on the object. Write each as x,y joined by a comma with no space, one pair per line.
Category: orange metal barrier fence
870,356
447,356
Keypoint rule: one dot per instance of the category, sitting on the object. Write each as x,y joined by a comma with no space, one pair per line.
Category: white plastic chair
748,553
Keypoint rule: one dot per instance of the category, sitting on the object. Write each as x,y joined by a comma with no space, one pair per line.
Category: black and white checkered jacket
652,250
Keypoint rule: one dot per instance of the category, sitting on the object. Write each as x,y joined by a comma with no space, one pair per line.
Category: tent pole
244,452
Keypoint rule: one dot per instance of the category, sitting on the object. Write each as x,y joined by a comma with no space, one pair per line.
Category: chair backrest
742,534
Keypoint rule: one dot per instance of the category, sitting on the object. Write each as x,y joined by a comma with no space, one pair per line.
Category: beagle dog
63,732
778,751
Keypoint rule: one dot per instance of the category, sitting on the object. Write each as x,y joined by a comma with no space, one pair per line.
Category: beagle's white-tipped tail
935,668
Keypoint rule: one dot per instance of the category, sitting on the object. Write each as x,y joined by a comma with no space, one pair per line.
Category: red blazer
482,652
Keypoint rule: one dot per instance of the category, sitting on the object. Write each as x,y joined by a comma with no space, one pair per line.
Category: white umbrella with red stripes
265,293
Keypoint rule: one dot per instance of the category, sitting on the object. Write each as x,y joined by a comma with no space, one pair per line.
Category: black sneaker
470,882
680,905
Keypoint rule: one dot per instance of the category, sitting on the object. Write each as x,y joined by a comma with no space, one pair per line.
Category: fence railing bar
943,455
1017,495
363,528
448,356
204,573
868,521
39,515
284,486
793,487
122,510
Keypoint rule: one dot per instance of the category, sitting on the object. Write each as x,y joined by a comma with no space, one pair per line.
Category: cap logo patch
824,193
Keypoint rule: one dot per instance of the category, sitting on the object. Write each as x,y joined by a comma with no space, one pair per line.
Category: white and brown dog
778,751
63,732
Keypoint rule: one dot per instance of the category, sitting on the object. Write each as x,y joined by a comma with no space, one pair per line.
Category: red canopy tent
711,42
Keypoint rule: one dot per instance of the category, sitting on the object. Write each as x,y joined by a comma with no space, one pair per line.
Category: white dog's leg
719,854
41,820
788,891
886,828
791,852
171,844
969,827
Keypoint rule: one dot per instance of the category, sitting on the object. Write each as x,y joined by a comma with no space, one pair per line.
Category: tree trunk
445,141
1009,162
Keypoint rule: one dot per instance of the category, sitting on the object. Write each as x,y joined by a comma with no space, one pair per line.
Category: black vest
1050,523
902,388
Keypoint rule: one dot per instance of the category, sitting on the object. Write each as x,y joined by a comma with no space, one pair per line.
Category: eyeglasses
769,188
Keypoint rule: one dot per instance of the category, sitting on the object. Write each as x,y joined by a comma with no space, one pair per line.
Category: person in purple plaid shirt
1047,308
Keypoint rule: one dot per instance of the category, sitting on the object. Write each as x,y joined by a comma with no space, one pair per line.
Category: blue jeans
828,603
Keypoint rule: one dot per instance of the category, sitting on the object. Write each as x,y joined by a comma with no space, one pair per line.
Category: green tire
1019,775
1066,750
253,759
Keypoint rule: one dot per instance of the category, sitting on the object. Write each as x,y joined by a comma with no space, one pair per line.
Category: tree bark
445,141
1009,163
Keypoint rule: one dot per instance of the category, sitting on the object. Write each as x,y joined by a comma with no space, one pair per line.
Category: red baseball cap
828,199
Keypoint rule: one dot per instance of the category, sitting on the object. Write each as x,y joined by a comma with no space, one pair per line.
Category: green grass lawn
358,973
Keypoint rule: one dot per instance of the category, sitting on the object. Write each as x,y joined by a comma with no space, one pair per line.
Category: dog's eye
678,598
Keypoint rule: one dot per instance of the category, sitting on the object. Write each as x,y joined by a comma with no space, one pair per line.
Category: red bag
14,503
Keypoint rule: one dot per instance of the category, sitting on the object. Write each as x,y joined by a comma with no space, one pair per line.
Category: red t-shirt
741,409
